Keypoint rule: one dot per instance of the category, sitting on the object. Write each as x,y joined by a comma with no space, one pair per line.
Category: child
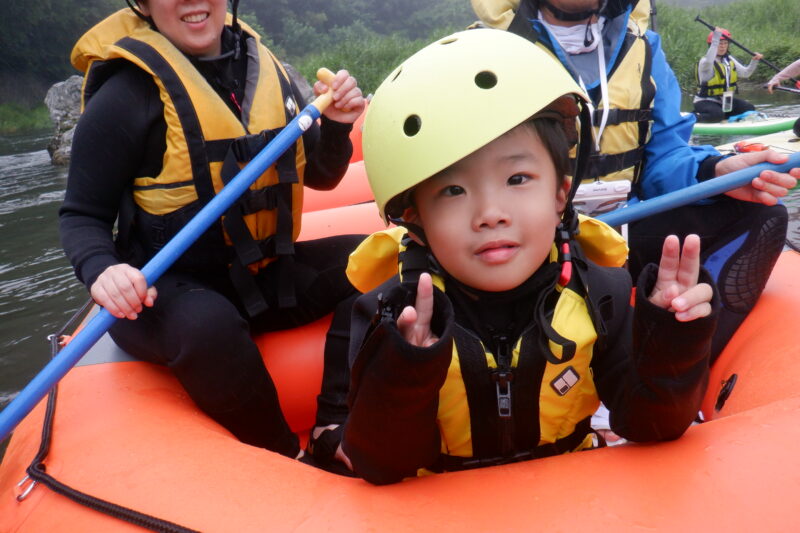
499,338
176,100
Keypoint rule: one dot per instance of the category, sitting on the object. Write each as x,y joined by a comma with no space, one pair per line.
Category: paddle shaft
787,89
58,367
768,63
694,193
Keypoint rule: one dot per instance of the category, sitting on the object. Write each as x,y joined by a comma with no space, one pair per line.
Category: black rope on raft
37,470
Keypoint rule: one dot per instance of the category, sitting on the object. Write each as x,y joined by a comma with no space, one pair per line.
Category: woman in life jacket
489,331
178,96
717,74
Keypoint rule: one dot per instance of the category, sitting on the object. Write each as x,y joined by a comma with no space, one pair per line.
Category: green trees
368,37
36,37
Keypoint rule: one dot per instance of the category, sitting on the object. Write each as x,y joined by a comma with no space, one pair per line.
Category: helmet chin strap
414,230
235,13
568,227
237,29
135,9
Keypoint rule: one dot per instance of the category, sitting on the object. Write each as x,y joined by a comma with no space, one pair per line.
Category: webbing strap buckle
502,381
23,492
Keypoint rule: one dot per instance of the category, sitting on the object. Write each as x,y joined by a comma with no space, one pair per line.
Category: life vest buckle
246,147
23,492
502,381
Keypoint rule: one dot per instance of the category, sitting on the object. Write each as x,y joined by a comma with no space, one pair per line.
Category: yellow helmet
453,97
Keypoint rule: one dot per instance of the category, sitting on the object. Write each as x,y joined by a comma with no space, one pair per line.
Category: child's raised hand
676,288
414,322
348,102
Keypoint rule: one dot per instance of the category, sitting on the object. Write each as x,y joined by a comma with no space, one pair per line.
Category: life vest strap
275,197
251,294
451,463
603,164
620,116
265,199
414,260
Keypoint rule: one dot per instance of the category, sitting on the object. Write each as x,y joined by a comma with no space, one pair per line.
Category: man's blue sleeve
670,162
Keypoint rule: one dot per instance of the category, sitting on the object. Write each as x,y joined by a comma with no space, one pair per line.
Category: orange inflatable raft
125,431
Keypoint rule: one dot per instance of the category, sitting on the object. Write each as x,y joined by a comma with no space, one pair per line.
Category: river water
38,292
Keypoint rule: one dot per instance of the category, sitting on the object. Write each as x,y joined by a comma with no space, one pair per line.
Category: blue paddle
694,193
57,368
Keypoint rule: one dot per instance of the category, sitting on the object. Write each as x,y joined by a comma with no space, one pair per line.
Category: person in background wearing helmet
176,99
484,345
717,74
641,136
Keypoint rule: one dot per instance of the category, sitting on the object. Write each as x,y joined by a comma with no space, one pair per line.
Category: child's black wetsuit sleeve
654,372
391,431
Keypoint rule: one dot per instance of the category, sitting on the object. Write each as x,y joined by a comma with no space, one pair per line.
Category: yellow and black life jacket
631,87
477,423
206,145
725,78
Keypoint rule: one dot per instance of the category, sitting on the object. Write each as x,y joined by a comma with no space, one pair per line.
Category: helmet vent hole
397,73
447,41
412,125
485,79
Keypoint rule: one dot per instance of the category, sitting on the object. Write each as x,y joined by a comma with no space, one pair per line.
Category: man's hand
769,186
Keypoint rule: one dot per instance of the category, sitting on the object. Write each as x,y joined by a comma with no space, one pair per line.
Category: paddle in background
58,367
796,127
747,51
788,89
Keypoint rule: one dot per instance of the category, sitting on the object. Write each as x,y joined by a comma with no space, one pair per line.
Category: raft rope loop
36,472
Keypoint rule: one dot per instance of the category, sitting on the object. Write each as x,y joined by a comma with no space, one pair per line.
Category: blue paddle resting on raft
58,367
694,193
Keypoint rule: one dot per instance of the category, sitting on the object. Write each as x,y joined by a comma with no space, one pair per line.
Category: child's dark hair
549,128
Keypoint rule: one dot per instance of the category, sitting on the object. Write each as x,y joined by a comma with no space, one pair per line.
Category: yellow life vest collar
376,259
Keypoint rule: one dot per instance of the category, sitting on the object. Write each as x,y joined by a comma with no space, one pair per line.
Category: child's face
490,218
193,26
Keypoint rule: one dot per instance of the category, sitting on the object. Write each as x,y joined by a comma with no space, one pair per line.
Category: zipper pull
236,102
503,376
